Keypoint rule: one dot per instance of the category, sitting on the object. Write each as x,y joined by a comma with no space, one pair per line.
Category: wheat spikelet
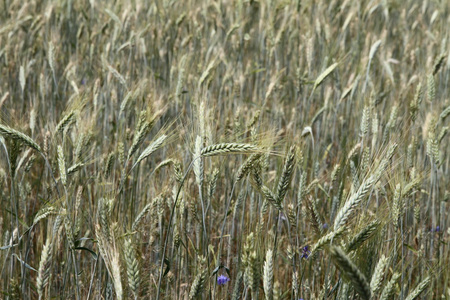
397,206
445,113
442,134
301,188
198,162
108,164
365,121
353,274
113,71
268,275
162,164
245,168
438,63
132,268
225,148
252,272
44,213
51,57
199,281
354,172
385,161
69,231
74,168
141,215
351,204
150,149
256,178
270,196
65,121
110,255
44,268
388,291
432,143
286,175
419,289
362,236
213,183
354,151
431,88
373,51
139,137
295,286
326,239
237,287
102,217
62,165
181,78
313,216
324,75
13,134
378,273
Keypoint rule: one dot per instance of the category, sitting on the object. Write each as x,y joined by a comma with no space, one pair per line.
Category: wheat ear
351,271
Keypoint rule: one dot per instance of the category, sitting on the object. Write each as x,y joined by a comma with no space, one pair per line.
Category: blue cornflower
305,252
222,279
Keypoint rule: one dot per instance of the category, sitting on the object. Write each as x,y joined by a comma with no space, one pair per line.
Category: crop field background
224,149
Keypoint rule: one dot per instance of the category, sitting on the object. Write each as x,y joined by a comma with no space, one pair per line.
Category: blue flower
305,252
222,279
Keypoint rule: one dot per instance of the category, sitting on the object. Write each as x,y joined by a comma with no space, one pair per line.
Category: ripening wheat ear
325,240
351,272
132,268
237,286
44,268
62,165
110,256
198,162
199,281
362,236
155,145
286,175
419,289
141,215
389,291
65,121
351,204
324,75
246,167
226,148
378,273
270,196
13,134
268,275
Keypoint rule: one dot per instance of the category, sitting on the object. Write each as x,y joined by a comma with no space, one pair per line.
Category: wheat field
218,149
